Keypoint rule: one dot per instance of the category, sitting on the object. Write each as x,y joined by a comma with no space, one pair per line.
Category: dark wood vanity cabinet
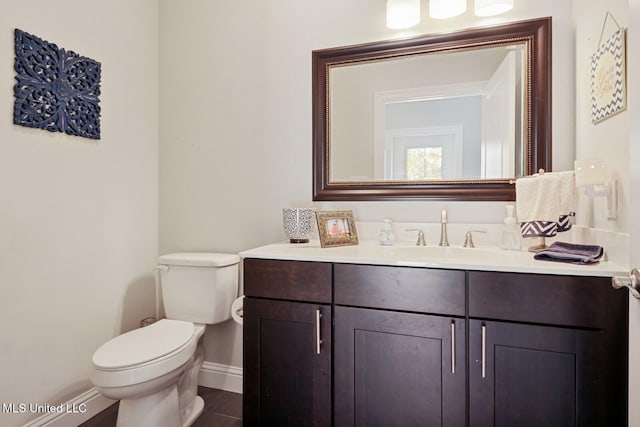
405,346
398,369
287,343
546,350
530,375
399,346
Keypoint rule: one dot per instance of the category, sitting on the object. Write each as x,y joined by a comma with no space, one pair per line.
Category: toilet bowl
153,371
149,370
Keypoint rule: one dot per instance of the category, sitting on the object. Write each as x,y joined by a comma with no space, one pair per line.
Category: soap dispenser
386,236
510,232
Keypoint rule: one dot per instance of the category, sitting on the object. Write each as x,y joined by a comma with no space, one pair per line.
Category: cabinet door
287,371
398,369
529,375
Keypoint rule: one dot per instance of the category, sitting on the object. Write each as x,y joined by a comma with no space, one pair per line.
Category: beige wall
78,218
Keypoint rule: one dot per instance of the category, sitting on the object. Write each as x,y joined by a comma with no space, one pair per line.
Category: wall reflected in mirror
454,115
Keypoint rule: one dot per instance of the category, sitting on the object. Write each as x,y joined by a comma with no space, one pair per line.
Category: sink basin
448,253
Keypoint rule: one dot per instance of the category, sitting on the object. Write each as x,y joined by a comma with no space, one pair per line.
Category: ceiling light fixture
402,13
442,9
492,7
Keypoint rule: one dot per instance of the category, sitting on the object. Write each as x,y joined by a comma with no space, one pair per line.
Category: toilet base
192,413
156,410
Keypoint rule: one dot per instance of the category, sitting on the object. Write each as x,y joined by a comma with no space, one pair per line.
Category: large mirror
456,116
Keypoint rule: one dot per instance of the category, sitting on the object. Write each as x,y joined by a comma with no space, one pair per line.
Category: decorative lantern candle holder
298,223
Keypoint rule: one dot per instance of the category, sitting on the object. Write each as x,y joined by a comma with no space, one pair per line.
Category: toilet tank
199,287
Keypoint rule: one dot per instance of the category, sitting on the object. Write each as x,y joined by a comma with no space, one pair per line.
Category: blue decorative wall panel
56,90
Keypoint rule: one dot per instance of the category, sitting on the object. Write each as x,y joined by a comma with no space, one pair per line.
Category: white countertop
406,254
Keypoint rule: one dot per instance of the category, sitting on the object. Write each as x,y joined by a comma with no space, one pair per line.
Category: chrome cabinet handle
484,351
631,282
453,346
318,340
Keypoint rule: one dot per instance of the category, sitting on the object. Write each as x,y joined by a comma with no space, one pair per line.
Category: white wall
607,140
235,119
78,218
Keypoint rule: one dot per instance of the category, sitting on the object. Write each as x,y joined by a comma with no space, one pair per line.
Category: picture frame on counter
336,228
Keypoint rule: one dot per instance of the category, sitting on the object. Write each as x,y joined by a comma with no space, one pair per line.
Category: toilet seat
145,354
137,347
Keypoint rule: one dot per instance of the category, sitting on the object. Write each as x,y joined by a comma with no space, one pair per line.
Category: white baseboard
222,377
73,412
91,402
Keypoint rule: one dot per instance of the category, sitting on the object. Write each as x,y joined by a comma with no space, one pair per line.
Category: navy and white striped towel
544,203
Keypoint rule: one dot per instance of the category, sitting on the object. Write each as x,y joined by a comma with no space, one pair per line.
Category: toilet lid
199,259
143,345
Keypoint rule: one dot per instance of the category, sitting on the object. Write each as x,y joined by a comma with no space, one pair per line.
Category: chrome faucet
444,241
420,241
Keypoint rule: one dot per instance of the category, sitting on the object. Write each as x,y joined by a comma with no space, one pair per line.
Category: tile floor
221,409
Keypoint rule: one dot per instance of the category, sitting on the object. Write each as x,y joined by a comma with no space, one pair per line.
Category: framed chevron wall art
608,78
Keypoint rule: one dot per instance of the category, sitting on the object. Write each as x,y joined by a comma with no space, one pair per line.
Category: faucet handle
468,238
420,241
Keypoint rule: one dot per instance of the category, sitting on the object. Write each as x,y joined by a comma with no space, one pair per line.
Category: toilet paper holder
237,310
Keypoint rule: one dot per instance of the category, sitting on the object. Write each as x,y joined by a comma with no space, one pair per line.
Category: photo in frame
336,228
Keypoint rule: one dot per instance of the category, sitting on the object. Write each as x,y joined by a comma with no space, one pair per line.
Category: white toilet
153,371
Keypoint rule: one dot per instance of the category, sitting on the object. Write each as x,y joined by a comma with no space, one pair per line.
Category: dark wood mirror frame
536,33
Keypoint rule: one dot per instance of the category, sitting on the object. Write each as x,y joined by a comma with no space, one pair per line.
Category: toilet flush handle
164,268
